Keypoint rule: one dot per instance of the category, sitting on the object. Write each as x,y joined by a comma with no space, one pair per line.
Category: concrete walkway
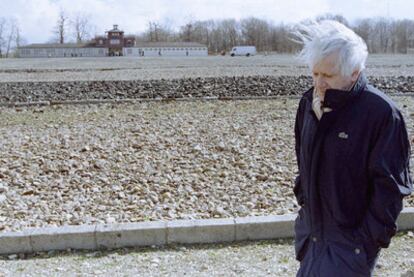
260,258
159,233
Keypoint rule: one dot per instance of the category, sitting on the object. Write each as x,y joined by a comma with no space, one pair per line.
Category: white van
243,51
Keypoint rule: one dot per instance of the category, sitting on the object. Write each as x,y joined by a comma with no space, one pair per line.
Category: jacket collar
335,98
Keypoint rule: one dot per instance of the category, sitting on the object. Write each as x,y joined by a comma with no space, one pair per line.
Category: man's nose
320,82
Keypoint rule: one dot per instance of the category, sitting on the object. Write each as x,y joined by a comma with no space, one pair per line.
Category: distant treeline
382,35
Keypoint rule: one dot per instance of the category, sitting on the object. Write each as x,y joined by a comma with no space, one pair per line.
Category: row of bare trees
385,36
222,35
76,28
382,35
10,37
67,29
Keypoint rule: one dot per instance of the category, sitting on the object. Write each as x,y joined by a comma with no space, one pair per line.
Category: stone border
111,236
139,100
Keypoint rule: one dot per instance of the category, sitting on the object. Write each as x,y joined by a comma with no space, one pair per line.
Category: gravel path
127,68
263,258
70,165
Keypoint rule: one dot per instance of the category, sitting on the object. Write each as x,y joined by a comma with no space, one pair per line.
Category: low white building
166,49
158,49
61,51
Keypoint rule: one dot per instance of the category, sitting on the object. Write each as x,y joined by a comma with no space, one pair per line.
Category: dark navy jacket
353,167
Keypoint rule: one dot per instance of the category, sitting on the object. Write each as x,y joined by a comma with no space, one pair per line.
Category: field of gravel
120,78
131,68
87,164
70,165
189,88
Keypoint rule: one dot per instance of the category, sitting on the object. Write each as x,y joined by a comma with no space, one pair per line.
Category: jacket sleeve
389,177
298,126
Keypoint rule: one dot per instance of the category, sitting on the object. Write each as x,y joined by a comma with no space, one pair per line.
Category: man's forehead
328,64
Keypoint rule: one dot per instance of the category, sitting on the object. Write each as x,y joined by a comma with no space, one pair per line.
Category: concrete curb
139,100
110,236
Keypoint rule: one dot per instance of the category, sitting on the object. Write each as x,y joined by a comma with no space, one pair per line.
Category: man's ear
355,75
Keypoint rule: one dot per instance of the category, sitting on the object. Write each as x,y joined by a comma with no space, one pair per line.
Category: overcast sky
38,17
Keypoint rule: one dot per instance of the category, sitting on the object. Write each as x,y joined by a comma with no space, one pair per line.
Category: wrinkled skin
326,75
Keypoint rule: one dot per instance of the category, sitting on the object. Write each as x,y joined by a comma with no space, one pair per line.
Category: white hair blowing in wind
320,39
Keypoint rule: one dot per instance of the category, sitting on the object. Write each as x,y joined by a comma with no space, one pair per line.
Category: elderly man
353,156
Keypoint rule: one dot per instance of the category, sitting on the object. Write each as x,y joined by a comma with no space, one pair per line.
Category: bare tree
187,32
13,29
400,36
202,31
18,40
382,35
219,35
364,28
18,37
410,34
256,32
152,31
10,37
198,31
2,33
81,28
281,40
60,28
157,32
231,32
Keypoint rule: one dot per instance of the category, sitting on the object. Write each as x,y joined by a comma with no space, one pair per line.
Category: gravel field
263,258
69,165
27,80
127,68
257,86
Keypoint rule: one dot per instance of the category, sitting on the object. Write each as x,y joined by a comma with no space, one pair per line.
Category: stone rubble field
70,165
219,87
107,163
29,80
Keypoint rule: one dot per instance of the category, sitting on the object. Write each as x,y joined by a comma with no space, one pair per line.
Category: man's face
326,75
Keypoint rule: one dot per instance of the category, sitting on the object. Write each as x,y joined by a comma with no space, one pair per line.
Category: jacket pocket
348,258
362,235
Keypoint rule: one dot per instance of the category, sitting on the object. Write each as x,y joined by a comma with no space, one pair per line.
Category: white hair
320,39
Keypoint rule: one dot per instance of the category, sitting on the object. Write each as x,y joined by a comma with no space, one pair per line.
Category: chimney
115,26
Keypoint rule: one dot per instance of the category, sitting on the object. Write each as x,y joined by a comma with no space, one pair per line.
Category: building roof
115,29
169,44
56,45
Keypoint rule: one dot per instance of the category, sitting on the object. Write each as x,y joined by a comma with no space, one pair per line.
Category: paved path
263,258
